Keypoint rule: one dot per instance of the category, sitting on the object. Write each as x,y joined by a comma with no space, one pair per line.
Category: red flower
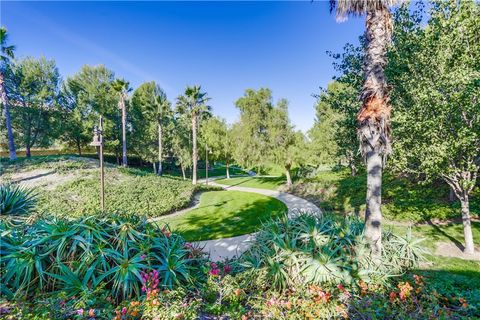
227,268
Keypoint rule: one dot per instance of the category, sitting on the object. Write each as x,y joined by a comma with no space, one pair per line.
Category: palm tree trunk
8,123
124,133
194,151
374,121
160,149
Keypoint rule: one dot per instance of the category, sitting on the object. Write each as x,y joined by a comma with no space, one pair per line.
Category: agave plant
16,200
324,249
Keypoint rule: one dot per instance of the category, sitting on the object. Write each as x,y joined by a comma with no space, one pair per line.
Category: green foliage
269,183
16,200
434,73
322,250
33,88
403,199
125,193
89,256
149,110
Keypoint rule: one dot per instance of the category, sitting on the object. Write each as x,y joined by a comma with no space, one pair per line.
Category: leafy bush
323,250
92,257
16,200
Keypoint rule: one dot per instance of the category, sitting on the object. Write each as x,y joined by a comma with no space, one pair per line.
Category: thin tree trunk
289,178
160,149
154,168
124,133
8,122
353,169
228,170
451,195
79,148
194,151
373,214
28,153
467,225
183,172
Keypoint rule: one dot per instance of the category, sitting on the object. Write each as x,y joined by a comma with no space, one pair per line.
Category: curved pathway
228,248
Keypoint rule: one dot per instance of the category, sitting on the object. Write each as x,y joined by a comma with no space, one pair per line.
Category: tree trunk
467,226
124,133
28,153
373,214
374,120
194,151
228,170
183,172
289,178
353,169
154,168
8,122
451,195
79,148
160,149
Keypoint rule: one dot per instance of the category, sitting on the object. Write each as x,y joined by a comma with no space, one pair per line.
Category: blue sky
224,46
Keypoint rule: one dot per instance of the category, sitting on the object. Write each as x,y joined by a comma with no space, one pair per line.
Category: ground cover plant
69,186
224,214
403,199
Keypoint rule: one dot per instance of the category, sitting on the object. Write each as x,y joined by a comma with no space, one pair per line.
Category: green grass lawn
270,183
223,214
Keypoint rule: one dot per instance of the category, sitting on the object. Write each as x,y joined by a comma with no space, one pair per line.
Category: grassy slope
128,191
224,214
402,199
271,183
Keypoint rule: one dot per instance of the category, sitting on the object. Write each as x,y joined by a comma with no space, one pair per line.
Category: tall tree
34,90
122,87
6,56
283,141
217,136
435,74
193,103
250,132
151,123
182,142
374,115
84,97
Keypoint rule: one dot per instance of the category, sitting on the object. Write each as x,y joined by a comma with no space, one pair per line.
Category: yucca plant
16,200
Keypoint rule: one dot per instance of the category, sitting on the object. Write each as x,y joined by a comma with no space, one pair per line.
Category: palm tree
163,111
374,115
123,87
193,102
6,56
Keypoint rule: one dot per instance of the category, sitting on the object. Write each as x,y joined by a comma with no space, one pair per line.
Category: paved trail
228,248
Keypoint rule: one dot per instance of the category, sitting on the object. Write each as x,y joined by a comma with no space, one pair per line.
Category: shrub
93,257
324,250
16,200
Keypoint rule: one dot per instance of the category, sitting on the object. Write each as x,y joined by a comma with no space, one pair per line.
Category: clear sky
224,46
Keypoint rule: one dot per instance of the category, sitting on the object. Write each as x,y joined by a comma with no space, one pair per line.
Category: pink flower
80,312
143,256
213,265
124,310
227,268
214,272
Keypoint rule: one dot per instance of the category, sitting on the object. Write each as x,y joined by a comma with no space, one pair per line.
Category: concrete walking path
228,248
